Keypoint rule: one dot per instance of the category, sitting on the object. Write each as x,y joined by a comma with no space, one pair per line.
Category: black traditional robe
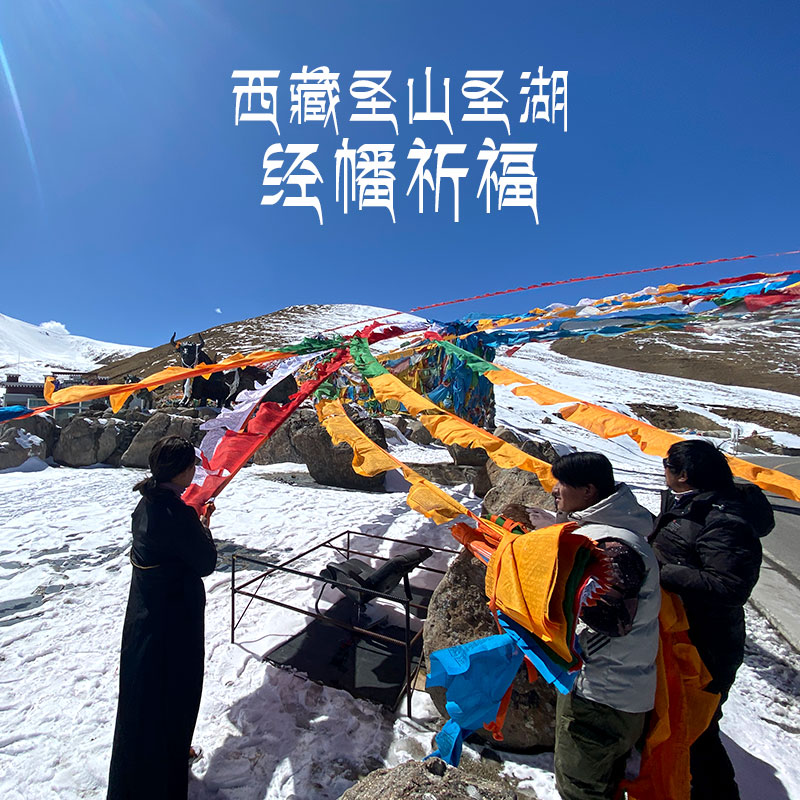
162,658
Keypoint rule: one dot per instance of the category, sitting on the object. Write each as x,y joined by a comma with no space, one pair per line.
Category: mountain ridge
33,351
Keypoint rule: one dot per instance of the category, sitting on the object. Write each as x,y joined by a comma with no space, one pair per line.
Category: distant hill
761,350
274,330
34,351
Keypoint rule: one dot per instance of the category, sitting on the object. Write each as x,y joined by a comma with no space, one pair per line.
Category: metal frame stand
346,549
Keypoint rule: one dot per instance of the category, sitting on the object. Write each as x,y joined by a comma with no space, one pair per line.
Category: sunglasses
667,465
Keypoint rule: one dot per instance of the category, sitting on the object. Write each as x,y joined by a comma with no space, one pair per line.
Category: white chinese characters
498,173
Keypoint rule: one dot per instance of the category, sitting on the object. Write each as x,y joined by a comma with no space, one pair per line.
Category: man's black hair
581,469
706,467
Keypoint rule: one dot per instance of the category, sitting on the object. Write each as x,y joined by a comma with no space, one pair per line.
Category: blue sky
132,208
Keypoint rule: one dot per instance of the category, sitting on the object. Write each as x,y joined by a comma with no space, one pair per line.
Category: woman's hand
208,509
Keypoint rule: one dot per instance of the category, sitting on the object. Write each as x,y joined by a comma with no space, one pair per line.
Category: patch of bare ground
674,418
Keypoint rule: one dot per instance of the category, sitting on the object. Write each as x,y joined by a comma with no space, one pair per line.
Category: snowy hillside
293,323
273,330
35,350
757,349
269,734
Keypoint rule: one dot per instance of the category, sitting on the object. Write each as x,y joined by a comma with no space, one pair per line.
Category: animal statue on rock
224,387
203,389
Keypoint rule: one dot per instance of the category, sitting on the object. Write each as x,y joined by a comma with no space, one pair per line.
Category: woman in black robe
162,658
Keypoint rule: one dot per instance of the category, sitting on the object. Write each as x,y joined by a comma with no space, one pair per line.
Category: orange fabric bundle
683,710
527,580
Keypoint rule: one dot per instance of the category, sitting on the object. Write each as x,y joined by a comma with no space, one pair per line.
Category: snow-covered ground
64,577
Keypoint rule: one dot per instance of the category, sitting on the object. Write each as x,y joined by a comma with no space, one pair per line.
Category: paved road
777,595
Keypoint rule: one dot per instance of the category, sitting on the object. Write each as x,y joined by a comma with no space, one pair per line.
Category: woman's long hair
170,456
706,468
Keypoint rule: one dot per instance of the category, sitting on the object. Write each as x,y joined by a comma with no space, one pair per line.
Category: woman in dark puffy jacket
161,663
707,543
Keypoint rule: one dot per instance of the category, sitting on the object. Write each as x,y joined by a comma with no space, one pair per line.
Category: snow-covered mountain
35,350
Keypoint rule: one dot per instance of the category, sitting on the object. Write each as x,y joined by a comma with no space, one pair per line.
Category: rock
331,465
458,613
279,448
158,425
543,450
480,481
445,474
132,415
18,445
117,437
186,412
515,486
674,418
427,780
392,433
373,429
418,433
88,440
401,422
79,443
41,425
468,456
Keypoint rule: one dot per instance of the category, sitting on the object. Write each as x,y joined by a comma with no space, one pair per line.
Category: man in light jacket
600,721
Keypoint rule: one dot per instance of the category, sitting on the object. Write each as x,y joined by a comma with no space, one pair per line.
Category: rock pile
426,780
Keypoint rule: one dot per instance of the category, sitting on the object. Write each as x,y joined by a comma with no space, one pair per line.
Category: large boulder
331,465
79,443
41,425
427,780
89,439
120,434
18,445
159,425
280,447
458,613
514,486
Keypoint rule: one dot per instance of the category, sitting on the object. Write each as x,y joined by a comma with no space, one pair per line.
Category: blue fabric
742,290
439,395
12,412
475,677
551,672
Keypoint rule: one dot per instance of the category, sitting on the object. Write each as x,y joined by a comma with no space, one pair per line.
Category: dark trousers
712,771
592,745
